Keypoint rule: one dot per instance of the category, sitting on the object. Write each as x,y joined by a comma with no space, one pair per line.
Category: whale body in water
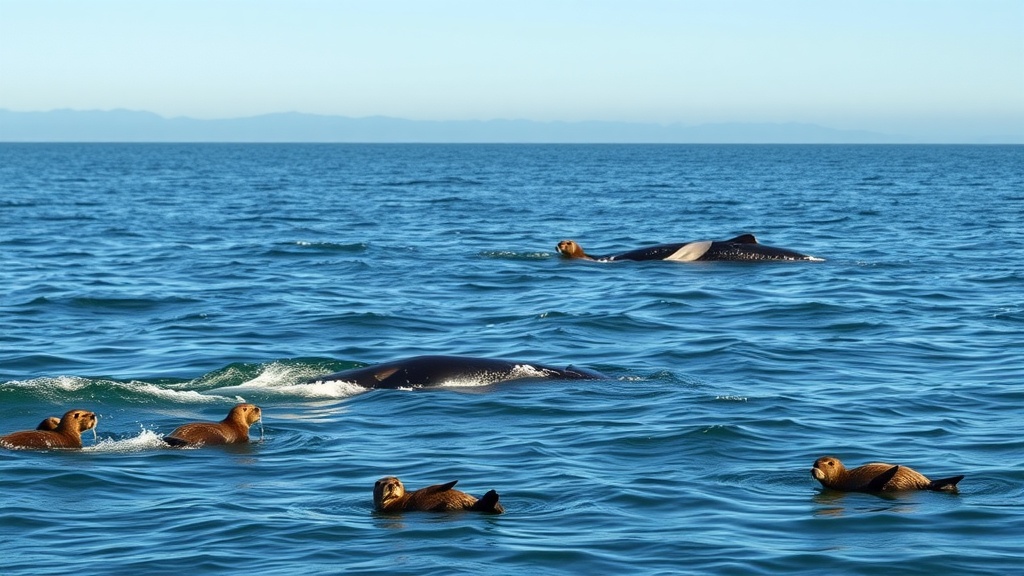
743,248
425,371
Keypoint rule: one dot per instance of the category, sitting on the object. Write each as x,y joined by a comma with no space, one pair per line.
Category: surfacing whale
424,371
743,248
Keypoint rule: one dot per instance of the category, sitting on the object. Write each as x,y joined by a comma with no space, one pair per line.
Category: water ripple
160,284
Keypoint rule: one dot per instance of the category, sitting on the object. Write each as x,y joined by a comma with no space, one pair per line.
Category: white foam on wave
519,372
332,389
183,396
76,384
145,440
55,383
283,380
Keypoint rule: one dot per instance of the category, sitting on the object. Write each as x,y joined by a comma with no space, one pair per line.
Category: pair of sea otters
66,432
873,477
389,493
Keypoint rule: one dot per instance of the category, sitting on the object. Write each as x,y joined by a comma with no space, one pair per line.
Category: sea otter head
77,421
247,414
387,490
827,470
570,249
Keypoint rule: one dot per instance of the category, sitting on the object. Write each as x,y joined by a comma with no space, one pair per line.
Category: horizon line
132,125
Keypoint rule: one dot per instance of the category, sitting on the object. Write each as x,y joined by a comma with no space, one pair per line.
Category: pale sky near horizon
919,67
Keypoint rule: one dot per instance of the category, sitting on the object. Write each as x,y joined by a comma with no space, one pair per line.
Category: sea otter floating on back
389,496
743,248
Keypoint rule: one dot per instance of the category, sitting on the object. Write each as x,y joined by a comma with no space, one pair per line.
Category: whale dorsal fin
743,239
382,375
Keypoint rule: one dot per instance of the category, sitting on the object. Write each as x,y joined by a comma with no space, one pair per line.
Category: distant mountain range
133,126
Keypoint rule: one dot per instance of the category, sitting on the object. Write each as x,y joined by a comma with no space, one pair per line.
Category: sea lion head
247,414
386,490
827,469
570,249
77,420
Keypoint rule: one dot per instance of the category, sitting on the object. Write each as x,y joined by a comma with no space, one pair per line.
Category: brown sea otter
875,477
231,430
389,495
66,434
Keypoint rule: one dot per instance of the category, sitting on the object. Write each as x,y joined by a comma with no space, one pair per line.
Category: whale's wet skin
742,248
161,285
452,370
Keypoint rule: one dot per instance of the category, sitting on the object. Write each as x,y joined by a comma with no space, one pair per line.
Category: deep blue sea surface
160,284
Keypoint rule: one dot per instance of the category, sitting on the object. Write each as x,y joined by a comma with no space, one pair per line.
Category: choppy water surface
158,284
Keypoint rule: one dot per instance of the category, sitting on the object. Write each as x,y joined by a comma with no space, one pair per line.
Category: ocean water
159,284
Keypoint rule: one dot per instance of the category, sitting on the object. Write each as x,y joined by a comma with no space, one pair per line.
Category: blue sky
928,68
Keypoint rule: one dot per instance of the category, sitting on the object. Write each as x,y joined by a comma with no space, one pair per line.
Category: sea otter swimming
875,477
231,430
66,434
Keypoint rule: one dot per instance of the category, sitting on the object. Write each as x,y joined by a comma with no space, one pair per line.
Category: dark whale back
425,371
659,252
743,248
732,250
